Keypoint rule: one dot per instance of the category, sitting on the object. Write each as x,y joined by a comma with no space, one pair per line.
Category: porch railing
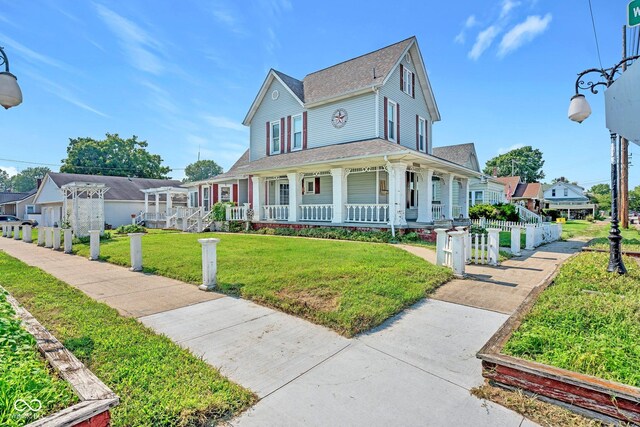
153,216
436,211
316,212
236,213
456,211
367,213
184,212
276,212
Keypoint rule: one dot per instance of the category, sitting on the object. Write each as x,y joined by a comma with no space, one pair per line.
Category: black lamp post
579,110
10,93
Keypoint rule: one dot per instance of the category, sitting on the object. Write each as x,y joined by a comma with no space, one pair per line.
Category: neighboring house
528,195
569,199
351,143
8,201
21,205
123,197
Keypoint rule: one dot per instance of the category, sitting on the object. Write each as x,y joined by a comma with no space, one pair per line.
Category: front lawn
588,321
599,232
347,286
25,376
158,382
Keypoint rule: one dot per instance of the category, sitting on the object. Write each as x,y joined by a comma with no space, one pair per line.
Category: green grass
505,239
588,321
25,375
599,232
158,382
347,286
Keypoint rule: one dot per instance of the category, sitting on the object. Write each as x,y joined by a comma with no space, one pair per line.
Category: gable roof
529,190
462,154
120,187
510,184
574,187
7,196
351,77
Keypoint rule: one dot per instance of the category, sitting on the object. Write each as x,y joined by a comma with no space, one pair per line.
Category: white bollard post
135,247
531,237
26,233
457,253
494,245
41,234
56,238
94,245
4,230
441,242
516,231
467,243
209,264
68,241
48,237
16,232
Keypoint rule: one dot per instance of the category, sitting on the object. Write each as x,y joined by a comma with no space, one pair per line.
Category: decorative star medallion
339,118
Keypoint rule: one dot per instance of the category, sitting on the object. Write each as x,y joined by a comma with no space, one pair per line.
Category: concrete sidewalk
416,369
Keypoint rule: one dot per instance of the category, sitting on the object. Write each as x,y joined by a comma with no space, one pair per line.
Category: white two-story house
350,144
568,199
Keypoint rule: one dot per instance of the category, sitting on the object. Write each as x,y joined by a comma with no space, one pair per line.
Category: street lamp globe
10,93
579,108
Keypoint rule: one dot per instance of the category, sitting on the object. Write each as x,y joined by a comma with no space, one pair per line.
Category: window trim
392,129
313,186
230,187
272,137
422,121
293,133
553,192
407,83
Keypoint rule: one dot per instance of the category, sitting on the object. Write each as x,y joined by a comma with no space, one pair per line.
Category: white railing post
227,213
56,238
26,233
135,247
16,232
245,210
4,230
94,245
68,240
493,245
41,236
467,243
441,242
457,253
48,237
209,264
530,237
516,231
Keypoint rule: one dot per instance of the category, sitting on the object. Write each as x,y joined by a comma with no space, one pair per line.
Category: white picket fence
502,225
478,249
540,234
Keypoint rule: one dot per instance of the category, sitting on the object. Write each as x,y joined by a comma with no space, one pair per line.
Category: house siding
409,107
361,188
325,196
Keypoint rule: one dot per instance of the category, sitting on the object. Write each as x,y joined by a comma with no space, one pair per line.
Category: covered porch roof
165,190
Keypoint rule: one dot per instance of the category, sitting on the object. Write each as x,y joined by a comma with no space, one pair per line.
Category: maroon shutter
386,121
288,134
426,137
401,77
268,142
235,194
199,195
302,183
250,195
317,185
214,192
282,134
417,132
398,123
413,85
304,130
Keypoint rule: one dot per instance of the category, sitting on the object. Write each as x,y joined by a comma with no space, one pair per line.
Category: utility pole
624,155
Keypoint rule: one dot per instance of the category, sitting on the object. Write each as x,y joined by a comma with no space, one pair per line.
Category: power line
595,34
58,165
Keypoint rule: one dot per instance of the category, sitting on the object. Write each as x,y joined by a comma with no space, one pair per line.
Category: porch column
258,197
295,195
397,193
463,197
339,180
167,210
146,202
157,205
425,196
446,182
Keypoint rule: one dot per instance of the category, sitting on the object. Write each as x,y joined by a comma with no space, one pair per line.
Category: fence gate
479,249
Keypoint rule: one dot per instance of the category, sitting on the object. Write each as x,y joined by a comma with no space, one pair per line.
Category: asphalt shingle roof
510,184
460,154
7,196
120,187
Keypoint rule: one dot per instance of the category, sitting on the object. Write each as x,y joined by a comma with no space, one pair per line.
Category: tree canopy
525,162
5,180
600,189
27,180
113,156
563,179
601,195
202,169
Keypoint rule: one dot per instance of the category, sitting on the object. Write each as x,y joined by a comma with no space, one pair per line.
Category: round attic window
275,94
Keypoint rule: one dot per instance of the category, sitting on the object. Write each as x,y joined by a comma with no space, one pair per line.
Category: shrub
507,212
589,218
476,229
374,236
483,211
131,228
86,239
219,211
552,213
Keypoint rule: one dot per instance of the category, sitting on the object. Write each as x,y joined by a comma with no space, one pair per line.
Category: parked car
13,220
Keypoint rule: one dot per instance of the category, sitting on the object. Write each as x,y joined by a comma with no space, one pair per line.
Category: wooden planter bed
96,399
582,393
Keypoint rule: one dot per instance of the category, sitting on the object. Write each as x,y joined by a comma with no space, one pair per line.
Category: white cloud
10,170
141,48
507,7
225,123
503,150
483,41
471,21
31,55
523,32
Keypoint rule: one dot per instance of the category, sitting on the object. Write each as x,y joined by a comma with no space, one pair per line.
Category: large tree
113,156
202,169
27,180
563,179
634,199
5,180
600,189
601,195
525,162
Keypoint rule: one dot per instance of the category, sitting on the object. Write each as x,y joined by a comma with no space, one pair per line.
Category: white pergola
83,206
168,192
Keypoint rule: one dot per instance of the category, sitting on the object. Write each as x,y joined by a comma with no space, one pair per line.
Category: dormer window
296,124
275,137
407,82
391,120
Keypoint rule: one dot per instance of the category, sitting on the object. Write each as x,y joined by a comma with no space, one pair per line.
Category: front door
283,194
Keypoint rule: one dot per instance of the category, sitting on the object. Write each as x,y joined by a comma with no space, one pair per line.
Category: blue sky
182,75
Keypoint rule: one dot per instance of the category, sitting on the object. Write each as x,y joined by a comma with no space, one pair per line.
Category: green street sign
634,13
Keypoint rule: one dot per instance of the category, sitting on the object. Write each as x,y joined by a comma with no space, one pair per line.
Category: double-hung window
422,135
566,192
407,82
391,120
275,137
296,124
